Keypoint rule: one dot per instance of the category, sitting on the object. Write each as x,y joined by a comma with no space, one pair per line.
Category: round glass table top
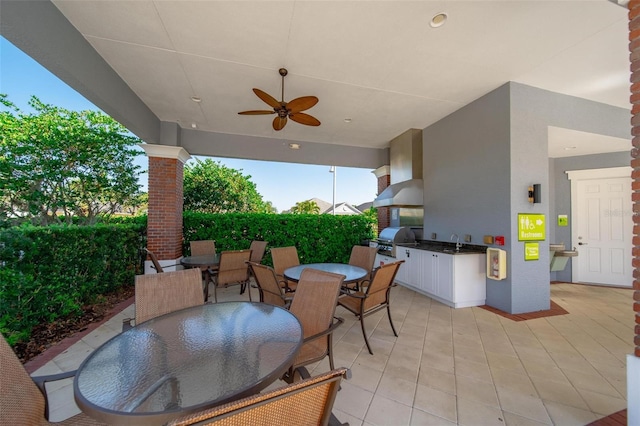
202,260
351,273
187,361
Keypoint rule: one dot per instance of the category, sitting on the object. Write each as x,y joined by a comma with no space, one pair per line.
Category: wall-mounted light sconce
534,193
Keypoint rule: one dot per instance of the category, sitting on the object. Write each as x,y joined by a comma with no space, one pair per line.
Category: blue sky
284,184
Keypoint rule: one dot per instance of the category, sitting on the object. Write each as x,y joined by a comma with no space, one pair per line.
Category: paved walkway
458,366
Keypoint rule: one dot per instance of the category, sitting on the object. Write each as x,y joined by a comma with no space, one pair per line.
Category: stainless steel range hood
404,194
406,189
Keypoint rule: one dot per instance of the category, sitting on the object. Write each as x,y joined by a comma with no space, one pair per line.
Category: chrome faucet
458,245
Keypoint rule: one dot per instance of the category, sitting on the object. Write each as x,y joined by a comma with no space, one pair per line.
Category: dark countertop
445,247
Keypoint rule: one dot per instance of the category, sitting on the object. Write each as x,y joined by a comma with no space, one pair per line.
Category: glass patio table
187,361
351,273
206,260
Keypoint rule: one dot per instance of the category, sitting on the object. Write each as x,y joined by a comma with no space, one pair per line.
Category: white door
602,228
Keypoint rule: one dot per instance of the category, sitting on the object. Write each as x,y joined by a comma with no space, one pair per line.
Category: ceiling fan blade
267,98
302,118
300,104
279,123
256,112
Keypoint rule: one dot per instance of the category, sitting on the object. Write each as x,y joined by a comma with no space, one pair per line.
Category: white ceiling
379,64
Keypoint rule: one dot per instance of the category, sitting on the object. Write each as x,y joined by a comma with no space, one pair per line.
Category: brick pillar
164,225
384,180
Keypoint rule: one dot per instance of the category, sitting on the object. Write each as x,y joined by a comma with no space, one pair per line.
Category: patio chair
202,247
314,304
269,287
257,250
154,260
373,296
307,402
233,270
23,400
364,257
159,294
283,258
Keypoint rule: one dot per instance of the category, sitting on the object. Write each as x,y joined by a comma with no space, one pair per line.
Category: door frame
590,174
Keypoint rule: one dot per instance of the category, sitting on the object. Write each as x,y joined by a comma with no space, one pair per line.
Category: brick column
384,180
164,225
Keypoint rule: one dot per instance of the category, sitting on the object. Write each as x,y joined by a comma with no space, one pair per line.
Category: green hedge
318,237
51,272
48,273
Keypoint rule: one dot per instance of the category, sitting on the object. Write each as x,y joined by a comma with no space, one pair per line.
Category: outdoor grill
391,236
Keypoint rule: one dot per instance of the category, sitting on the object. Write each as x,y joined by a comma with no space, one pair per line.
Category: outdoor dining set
185,359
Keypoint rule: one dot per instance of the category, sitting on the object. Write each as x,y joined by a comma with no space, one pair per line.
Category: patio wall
478,164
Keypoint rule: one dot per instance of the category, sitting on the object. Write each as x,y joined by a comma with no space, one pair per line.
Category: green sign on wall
531,251
531,227
563,220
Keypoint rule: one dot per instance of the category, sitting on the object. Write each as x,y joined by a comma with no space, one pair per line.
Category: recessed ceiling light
438,20
347,120
194,126
294,146
196,99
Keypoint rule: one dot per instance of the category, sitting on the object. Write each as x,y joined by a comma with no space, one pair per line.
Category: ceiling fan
292,109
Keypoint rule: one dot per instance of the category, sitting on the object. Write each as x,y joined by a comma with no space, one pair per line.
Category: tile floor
459,366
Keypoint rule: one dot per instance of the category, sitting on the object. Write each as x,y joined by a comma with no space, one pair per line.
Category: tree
211,187
306,207
372,214
57,164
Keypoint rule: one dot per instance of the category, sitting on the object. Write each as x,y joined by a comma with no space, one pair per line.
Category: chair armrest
126,324
40,382
283,280
275,294
357,286
325,332
166,266
355,295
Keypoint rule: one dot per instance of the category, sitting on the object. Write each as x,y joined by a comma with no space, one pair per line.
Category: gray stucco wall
466,164
529,165
561,201
479,162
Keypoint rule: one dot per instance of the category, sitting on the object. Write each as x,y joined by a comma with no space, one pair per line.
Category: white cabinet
442,275
469,280
456,280
403,272
412,270
382,259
